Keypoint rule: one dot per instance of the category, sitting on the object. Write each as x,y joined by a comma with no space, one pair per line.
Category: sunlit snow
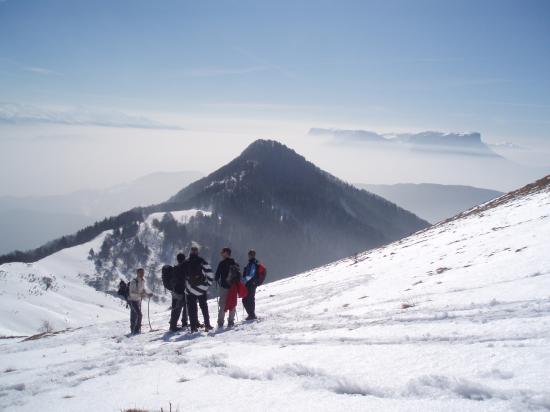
454,318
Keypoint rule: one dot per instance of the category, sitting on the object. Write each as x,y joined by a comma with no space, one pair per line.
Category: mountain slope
53,294
430,201
76,286
296,215
453,318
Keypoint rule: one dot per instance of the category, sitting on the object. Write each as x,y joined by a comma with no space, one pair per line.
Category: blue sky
381,65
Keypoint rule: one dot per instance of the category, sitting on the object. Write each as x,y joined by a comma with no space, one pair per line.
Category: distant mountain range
269,198
433,202
458,143
28,222
435,157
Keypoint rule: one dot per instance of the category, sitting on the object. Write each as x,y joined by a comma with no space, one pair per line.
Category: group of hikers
188,282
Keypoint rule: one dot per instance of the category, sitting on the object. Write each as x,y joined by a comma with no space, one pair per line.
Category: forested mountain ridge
296,215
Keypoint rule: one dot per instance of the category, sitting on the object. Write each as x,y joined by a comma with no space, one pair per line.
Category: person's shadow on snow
176,337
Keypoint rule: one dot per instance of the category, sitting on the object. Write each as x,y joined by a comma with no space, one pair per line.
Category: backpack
261,273
195,275
168,277
123,289
234,274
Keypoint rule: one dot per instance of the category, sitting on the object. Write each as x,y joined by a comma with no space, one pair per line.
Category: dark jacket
250,271
222,271
199,276
180,274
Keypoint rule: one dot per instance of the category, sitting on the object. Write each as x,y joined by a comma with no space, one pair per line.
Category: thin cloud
484,81
262,106
17,113
221,71
264,63
519,104
39,70
429,59
12,64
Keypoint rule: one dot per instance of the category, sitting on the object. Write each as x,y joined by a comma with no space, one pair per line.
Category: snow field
454,318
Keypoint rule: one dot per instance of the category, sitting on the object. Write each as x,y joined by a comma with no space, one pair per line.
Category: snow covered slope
454,318
52,293
60,291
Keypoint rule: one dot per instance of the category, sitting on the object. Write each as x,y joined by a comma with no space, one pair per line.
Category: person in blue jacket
250,278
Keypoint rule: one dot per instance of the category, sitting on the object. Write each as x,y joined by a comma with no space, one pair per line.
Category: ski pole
148,317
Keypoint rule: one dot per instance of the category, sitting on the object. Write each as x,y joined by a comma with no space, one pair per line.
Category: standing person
136,293
250,279
222,273
199,278
179,307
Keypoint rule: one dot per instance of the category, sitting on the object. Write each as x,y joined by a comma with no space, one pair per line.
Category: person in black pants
250,277
199,278
222,274
136,293
179,307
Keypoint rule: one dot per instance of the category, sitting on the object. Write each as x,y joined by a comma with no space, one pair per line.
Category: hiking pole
218,297
149,317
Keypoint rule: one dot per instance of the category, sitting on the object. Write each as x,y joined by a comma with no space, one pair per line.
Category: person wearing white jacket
137,293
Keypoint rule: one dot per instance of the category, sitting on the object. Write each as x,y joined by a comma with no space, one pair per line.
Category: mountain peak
262,148
298,214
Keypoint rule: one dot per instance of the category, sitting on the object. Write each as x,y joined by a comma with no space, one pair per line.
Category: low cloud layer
17,113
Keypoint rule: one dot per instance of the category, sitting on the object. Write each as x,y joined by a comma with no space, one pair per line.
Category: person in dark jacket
222,273
199,278
179,307
250,278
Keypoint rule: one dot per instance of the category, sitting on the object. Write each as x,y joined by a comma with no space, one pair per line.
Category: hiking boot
174,330
194,329
251,317
208,327
230,324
